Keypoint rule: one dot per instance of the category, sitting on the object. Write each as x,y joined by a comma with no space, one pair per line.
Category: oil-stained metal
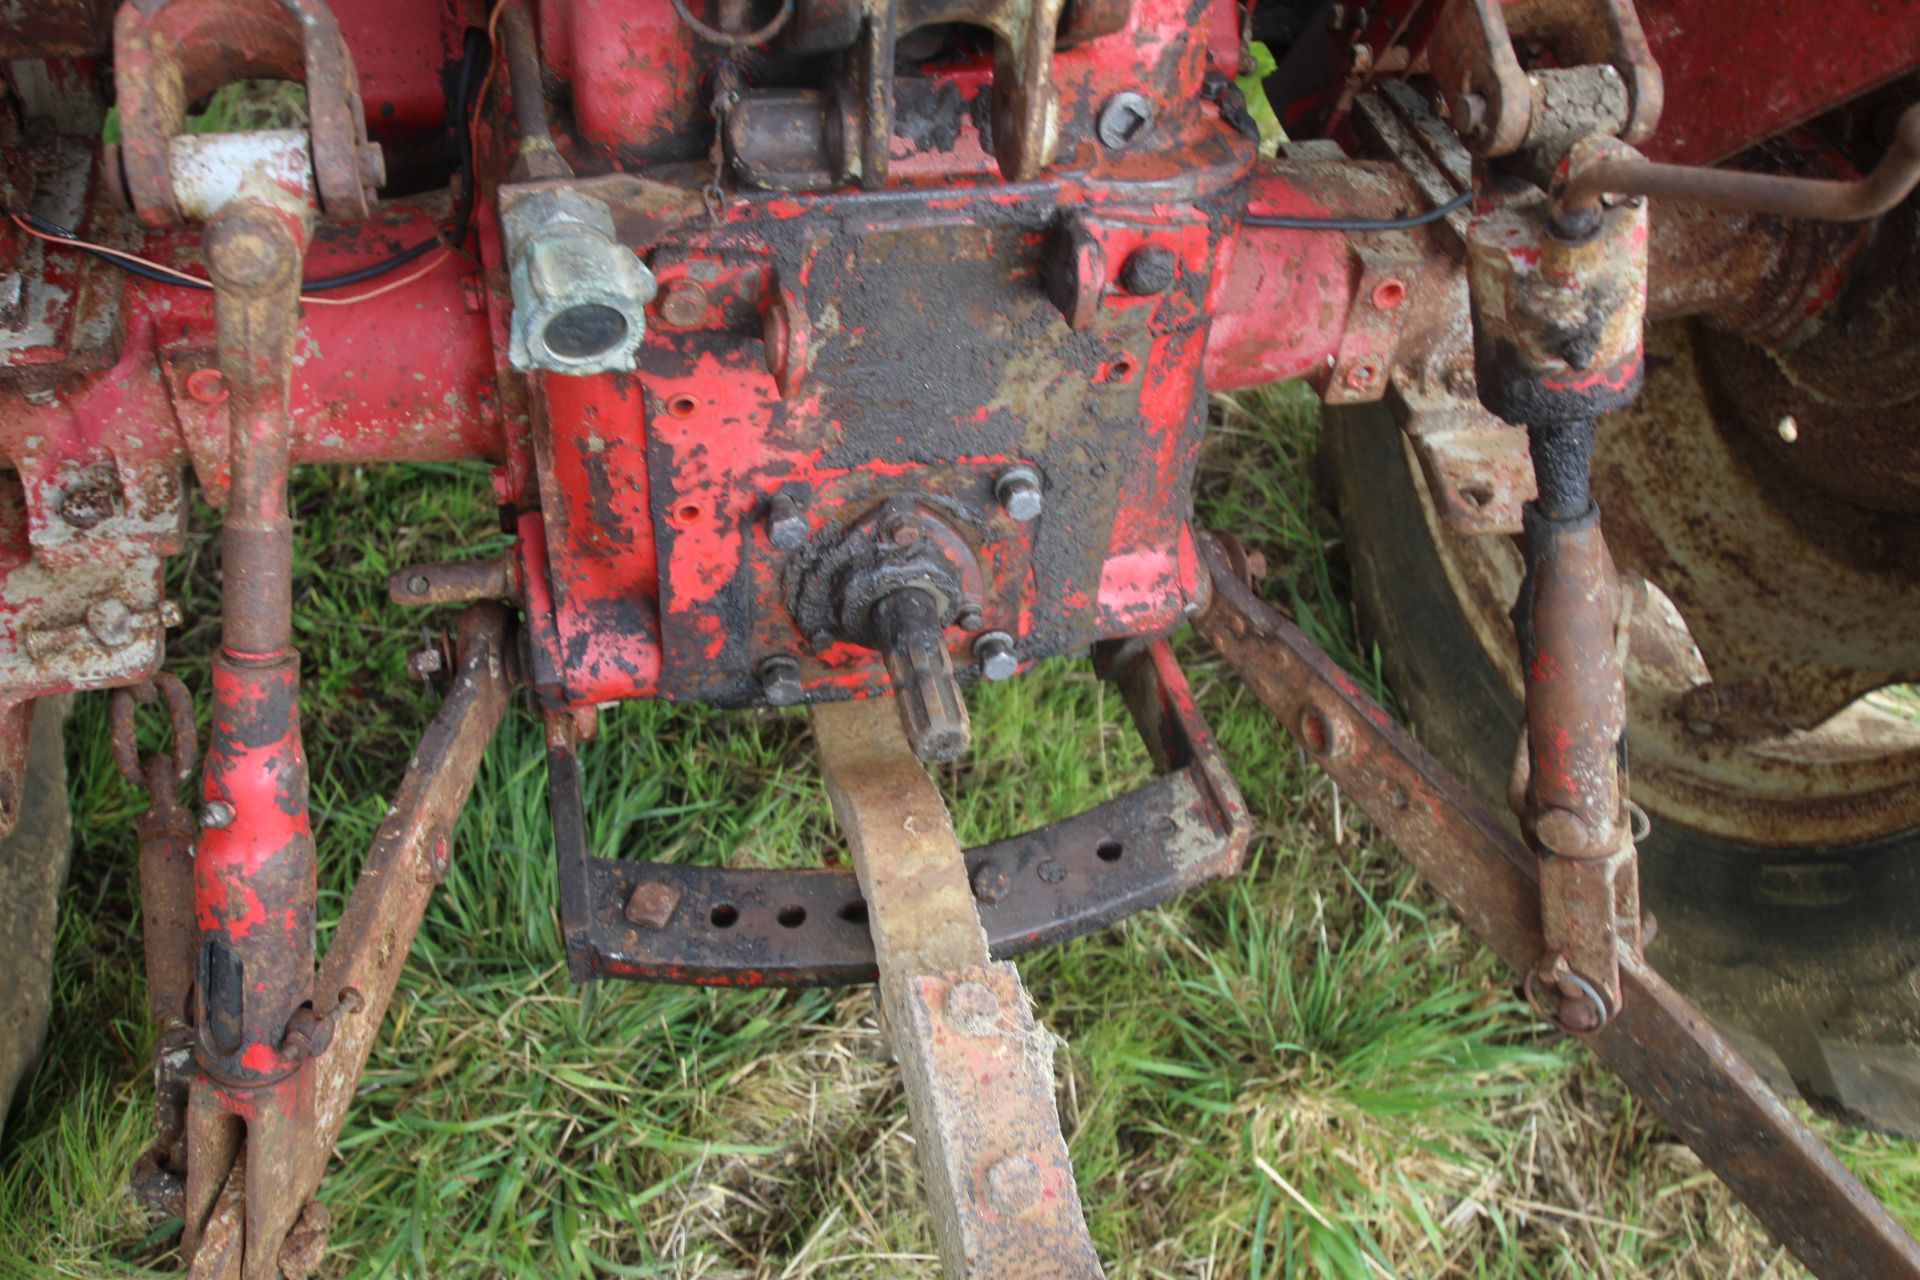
978,1067
1664,1050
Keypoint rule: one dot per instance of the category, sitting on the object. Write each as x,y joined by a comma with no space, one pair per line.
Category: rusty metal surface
291,1122
168,930
977,1066
254,252
1811,596
1570,797
168,54
32,29
1890,182
456,583
1499,108
408,857
1660,1046
667,922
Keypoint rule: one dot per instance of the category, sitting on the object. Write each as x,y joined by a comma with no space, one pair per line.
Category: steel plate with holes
663,922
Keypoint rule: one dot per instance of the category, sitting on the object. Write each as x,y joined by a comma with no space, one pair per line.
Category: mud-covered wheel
1782,870
33,866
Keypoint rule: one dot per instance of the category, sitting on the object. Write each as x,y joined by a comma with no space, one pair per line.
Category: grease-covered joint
579,295
1558,312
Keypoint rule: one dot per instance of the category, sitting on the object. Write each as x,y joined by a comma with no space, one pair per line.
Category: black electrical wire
461,113
1408,223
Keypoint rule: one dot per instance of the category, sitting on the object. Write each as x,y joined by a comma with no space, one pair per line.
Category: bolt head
1051,870
652,904
1019,493
685,304
780,682
786,523
1148,270
1124,119
216,815
426,662
1014,1185
996,656
990,882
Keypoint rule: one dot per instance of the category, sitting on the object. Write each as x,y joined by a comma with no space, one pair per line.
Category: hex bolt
1124,119
1148,270
1018,490
786,523
1014,1185
91,501
216,815
652,903
425,662
970,618
821,640
685,304
972,1009
994,652
990,882
780,681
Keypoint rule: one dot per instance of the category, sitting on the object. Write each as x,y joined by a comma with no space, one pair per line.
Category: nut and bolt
1014,1185
418,584
652,904
972,1009
902,532
786,523
91,501
779,678
425,662
216,815
1148,270
994,652
1124,119
970,619
1018,490
990,882
821,640
684,305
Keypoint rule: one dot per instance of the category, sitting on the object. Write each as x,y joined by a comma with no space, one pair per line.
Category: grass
1307,1072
